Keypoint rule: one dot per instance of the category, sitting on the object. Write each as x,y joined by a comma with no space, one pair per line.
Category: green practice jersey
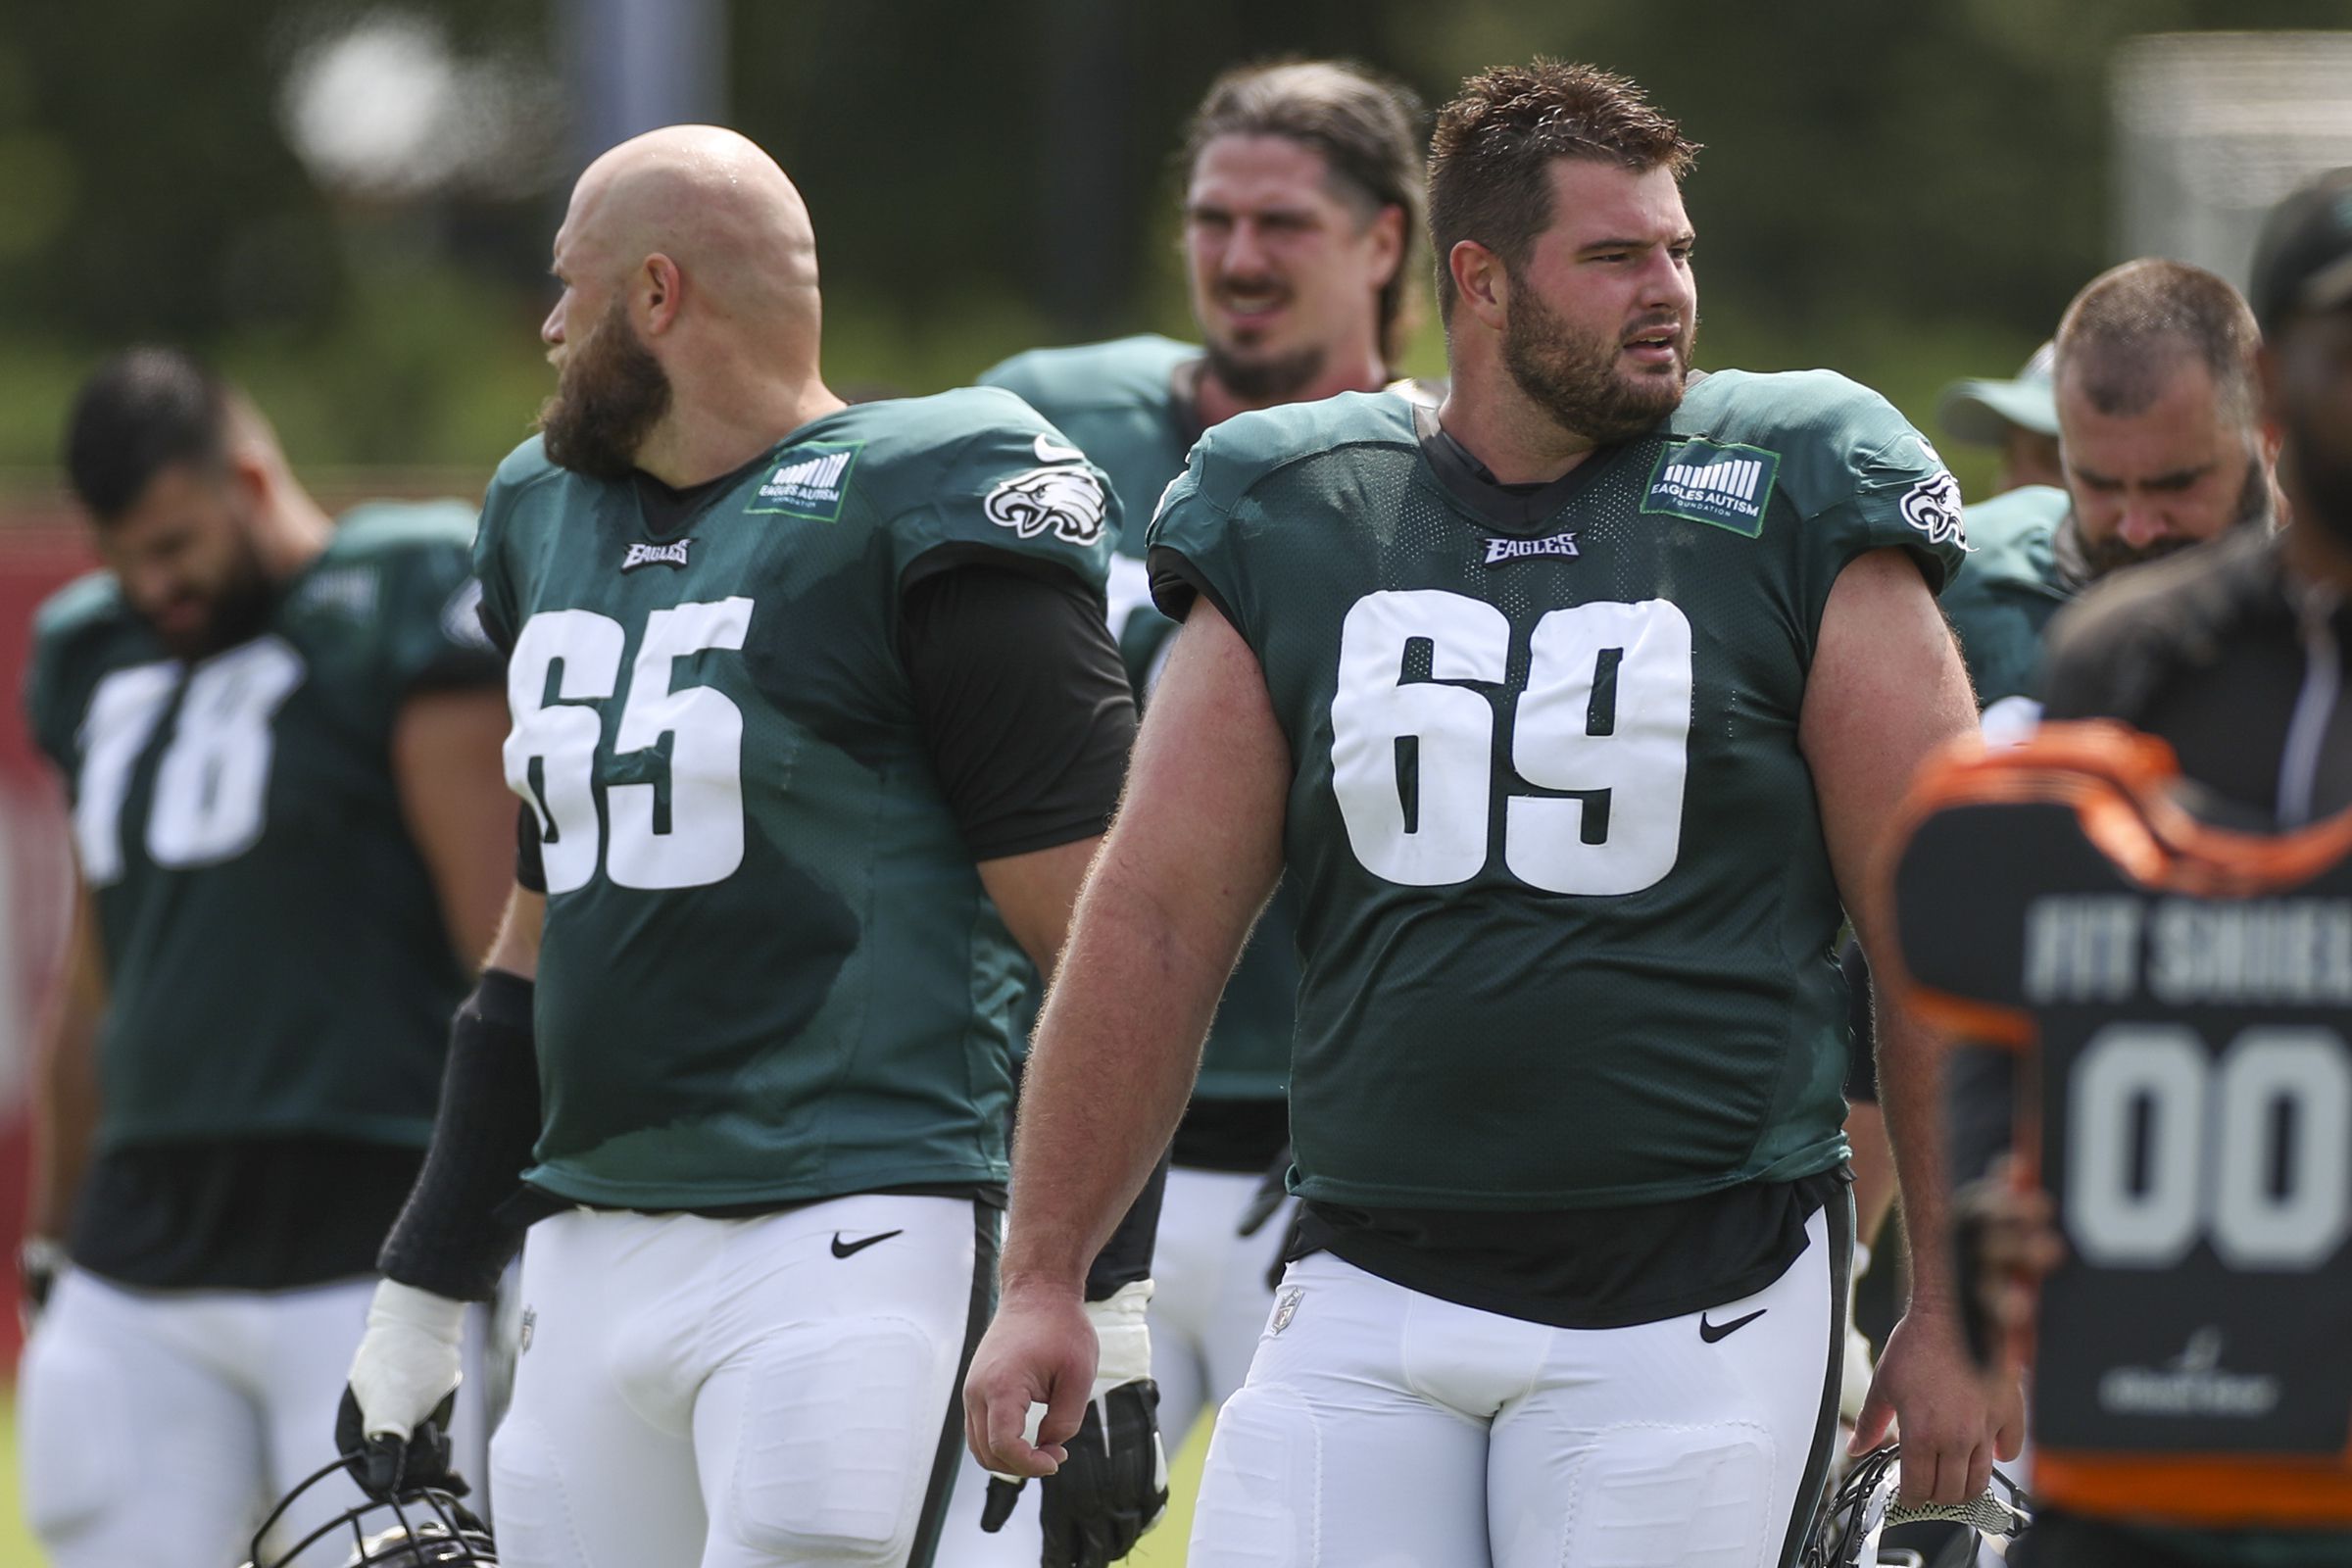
770,971
276,957
1120,404
2008,591
1565,909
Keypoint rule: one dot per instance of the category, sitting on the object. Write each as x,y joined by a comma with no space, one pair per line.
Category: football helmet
1848,1531
416,1527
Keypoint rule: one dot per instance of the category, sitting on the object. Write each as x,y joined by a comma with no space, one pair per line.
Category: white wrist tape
407,1360
1123,1344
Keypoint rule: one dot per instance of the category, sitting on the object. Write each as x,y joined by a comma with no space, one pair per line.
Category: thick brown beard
609,398
1574,378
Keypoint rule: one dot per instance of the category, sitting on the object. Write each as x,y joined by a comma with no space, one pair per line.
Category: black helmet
416,1527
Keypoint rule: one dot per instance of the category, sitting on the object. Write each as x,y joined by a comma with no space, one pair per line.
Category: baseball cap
1976,412
2303,261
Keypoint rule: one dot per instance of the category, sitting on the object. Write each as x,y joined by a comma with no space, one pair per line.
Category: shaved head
711,202
690,317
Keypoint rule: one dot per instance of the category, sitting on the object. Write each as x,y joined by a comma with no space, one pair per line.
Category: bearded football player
815,720
1301,207
278,731
1570,706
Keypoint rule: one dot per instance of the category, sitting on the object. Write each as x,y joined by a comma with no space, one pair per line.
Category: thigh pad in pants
818,1444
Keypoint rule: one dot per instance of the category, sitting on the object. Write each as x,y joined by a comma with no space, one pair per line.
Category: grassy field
17,1549
1163,1548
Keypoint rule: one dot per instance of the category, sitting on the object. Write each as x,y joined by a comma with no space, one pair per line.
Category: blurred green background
1905,192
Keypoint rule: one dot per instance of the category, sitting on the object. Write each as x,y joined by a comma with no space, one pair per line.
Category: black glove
385,1466
39,1261
1113,1487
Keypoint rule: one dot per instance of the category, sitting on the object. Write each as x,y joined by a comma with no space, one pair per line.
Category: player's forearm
66,1097
1113,1064
65,1118
1909,1054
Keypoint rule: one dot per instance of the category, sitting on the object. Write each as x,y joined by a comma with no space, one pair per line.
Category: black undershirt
1234,1136
250,1214
1585,1268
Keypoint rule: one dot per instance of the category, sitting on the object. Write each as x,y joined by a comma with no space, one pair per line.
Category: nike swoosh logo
1050,450
1709,1332
842,1249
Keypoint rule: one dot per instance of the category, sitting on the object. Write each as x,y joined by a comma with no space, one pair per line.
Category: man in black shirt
2234,654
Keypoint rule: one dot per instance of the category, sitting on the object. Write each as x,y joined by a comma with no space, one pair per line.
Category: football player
2233,656
1301,207
278,732
1569,707
816,720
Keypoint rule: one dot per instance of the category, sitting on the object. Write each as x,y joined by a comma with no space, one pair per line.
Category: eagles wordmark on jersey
770,971
2185,994
1554,842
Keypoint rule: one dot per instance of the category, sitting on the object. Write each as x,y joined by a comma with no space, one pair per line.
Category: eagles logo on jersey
1063,498
2184,993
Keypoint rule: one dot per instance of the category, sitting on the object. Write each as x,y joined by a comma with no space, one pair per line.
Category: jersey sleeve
45,708
1889,491
494,589
1190,543
1013,495
435,638
53,694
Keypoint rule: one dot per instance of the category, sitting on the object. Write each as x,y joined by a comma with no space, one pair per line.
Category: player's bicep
1035,892
516,949
1199,830
1887,689
453,793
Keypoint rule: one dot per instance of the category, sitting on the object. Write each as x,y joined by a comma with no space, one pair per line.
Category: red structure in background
44,544
45,549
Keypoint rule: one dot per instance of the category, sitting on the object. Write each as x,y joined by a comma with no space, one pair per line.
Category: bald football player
816,722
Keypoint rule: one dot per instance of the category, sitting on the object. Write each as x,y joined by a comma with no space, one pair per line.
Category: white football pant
741,1393
1210,1300
158,1427
1381,1428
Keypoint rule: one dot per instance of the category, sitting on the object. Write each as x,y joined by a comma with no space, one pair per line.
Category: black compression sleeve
531,866
1127,1256
1023,701
447,1239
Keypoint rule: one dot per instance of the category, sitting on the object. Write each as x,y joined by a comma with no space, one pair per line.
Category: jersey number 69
1604,722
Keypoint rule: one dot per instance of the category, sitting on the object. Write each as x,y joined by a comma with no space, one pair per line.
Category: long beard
608,400
1269,381
1574,378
